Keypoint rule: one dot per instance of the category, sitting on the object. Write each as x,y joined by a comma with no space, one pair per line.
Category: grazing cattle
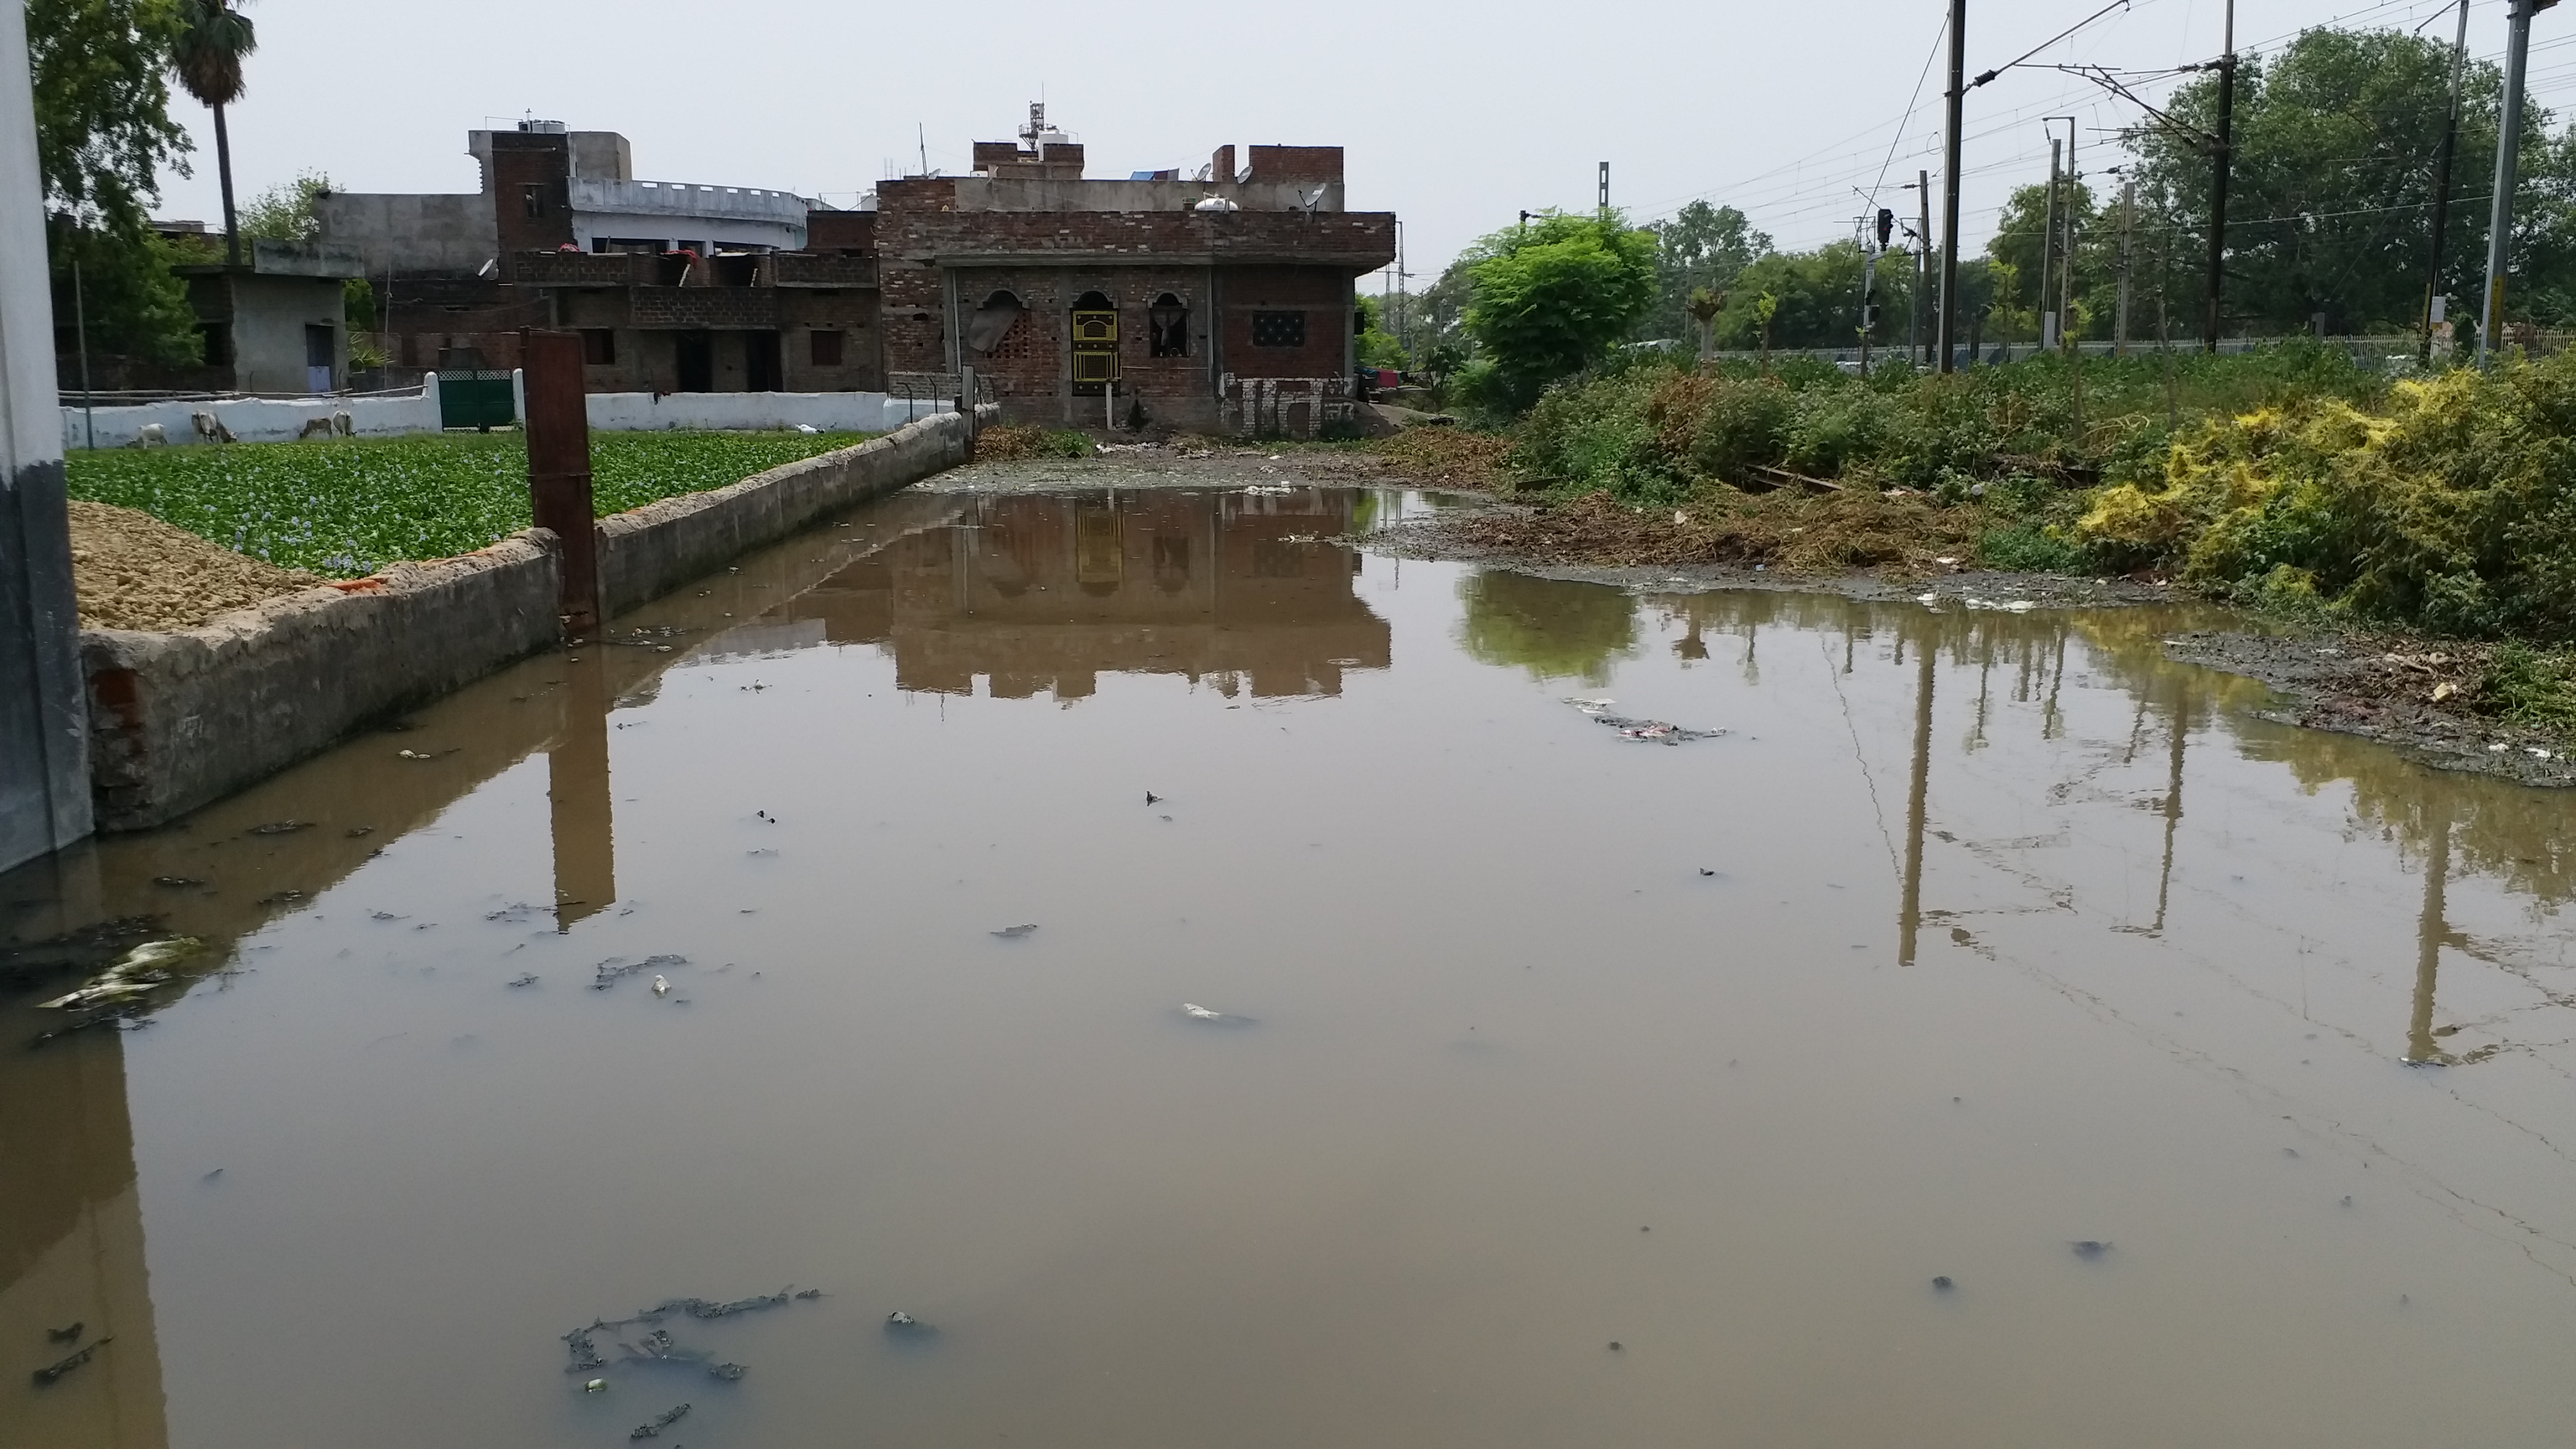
210,427
343,424
152,435
314,428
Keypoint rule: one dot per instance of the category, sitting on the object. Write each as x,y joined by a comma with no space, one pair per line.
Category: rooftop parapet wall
684,199
1360,241
1006,193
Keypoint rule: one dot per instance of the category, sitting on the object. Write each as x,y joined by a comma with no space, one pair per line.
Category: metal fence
2391,354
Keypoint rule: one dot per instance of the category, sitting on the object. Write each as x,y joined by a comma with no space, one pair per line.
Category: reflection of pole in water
2049,722
2429,934
585,824
2173,800
1909,913
72,1251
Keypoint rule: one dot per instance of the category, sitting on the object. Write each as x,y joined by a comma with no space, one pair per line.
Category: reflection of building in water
1044,593
71,1250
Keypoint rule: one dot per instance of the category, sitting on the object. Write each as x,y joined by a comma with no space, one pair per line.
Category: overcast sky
1455,115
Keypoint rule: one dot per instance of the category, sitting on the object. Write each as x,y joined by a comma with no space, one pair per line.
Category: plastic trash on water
1656,731
134,973
661,986
1209,1017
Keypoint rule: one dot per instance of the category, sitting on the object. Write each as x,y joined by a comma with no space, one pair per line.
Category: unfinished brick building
1222,302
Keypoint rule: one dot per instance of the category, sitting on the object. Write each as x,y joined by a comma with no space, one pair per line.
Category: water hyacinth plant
347,507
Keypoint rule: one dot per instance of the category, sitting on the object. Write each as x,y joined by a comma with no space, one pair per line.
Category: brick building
1219,301
1224,300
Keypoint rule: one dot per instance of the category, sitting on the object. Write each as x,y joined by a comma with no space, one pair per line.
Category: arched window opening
1167,325
995,331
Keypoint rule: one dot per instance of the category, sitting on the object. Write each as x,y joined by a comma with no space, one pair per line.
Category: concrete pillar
44,749
557,419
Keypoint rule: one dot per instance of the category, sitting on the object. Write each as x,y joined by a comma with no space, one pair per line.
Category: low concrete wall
179,719
649,551
831,412
254,420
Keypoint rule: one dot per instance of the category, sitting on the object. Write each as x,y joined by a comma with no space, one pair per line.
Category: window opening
1167,325
598,346
995,322
1278,329
533,199
827,347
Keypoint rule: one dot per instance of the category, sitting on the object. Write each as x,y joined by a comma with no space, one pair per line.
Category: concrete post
44,746
558,428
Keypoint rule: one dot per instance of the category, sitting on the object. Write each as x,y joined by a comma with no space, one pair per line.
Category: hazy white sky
1455,115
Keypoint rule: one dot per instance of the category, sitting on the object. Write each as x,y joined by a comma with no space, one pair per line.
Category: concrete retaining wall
180,719
831,412
649,551
255,419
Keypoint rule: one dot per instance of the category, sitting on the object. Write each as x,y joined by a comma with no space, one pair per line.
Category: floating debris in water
1201,1014
528,978
51,1372
616,968
280,827
1655,730
65,1335
2089,1249
595,1386
281,898
729,1372
661,986
1013,933
660,1422
1942,1284
134,973
903,1325
176,882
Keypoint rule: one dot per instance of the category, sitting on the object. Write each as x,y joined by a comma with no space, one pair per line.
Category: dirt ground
133,571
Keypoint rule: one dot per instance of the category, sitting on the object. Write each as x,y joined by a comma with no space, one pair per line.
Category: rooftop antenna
921,133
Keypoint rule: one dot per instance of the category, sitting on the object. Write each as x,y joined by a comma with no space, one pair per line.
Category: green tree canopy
103,137
1700,247
284,212
1553,297
2331,188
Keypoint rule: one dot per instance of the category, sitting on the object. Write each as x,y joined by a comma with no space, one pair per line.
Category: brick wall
1296,163
531,172
691,307
1323,295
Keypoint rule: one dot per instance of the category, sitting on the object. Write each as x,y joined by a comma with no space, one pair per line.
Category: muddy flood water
1997,1036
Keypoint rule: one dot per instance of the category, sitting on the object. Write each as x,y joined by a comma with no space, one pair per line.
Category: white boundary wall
829,412
255,419
282,420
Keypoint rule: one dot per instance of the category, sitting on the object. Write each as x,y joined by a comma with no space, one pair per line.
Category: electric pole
1950,183
2508,149
2128,226
2048,320
2066,288
1922,255
2220,159
2442,189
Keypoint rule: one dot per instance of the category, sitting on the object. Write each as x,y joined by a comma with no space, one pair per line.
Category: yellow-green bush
2451,506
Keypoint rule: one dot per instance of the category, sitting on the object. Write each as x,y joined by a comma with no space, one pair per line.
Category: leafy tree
1702,247
1552,298
2331,187
1378,347
285,212
206,54
103,136
1815,299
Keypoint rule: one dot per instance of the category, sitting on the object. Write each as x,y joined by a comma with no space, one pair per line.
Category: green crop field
347,507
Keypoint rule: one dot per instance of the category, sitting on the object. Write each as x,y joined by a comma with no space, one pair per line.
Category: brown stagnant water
2018,936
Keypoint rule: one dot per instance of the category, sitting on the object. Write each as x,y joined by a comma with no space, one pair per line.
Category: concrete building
460,274
275,324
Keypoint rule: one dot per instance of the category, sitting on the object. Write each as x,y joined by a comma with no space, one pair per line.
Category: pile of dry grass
132,571
1836,533
1447,456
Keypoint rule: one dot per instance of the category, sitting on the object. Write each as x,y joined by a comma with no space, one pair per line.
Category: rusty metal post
558,428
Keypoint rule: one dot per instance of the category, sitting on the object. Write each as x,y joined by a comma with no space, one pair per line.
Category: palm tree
212,41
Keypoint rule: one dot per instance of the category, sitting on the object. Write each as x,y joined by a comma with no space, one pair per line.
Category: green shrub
2530,687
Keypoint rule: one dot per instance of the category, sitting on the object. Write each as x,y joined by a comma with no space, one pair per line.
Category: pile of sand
135,572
